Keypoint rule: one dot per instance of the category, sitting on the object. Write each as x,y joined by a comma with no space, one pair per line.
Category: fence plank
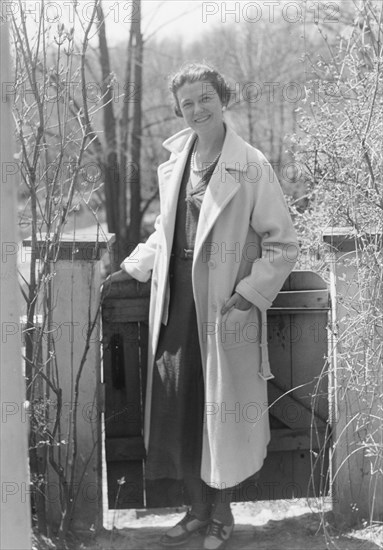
302,299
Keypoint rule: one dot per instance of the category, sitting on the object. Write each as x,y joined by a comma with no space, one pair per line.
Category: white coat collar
233,154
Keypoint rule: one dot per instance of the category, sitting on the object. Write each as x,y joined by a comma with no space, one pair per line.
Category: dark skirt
175,442
176,422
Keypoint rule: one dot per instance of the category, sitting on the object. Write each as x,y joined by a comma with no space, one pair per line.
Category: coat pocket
239,328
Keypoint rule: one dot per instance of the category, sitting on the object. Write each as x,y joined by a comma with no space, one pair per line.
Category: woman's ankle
223,514
201,511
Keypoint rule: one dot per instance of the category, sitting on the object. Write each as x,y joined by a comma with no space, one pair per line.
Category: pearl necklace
193,161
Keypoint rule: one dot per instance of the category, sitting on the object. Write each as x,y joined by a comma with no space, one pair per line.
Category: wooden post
76,280
357,487
15,522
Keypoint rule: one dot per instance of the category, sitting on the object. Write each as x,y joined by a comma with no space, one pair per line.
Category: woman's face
201,107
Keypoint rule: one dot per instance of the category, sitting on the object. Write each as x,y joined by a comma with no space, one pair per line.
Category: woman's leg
209,502
221,505
200,497
222,522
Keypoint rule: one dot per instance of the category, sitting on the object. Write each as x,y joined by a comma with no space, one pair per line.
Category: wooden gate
297,461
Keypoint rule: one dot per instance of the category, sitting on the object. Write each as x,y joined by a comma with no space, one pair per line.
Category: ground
267,525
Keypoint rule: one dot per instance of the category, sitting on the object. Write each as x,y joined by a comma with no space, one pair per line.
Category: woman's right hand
119,276
116,277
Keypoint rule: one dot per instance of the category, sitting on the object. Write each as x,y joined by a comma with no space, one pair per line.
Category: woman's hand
236,301
116,277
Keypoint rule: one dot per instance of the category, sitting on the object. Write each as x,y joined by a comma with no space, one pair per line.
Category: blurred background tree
267,64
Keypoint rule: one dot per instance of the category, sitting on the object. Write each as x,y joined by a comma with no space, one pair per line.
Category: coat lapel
221,189
223,185
170,177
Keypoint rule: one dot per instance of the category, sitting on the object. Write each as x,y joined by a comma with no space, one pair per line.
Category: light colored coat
245,242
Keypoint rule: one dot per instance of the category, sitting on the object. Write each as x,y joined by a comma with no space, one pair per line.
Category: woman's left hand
238,302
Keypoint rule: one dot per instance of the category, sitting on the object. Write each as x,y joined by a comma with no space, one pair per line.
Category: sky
187,18
159,17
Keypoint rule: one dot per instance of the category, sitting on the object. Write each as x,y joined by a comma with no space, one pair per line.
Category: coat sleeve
271,220
140,262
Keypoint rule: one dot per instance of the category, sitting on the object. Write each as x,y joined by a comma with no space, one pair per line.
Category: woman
223,245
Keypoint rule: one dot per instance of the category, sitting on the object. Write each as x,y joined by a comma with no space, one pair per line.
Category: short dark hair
197,72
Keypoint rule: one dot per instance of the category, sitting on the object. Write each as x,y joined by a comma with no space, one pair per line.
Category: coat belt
264,370
183,253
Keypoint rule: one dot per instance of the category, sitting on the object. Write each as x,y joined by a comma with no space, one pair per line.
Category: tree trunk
135,154
110,166
124,148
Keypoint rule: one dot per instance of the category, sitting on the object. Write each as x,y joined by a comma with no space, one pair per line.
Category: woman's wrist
116,277
120,275
236,301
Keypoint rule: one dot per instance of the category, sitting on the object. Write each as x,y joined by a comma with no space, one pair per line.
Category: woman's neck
208,146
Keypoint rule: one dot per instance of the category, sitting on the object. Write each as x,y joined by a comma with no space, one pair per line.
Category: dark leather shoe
217,535
182,531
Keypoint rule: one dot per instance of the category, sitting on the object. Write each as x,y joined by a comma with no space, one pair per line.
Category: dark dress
175,442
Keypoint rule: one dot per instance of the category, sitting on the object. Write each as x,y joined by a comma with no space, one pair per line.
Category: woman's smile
200,120
201,107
